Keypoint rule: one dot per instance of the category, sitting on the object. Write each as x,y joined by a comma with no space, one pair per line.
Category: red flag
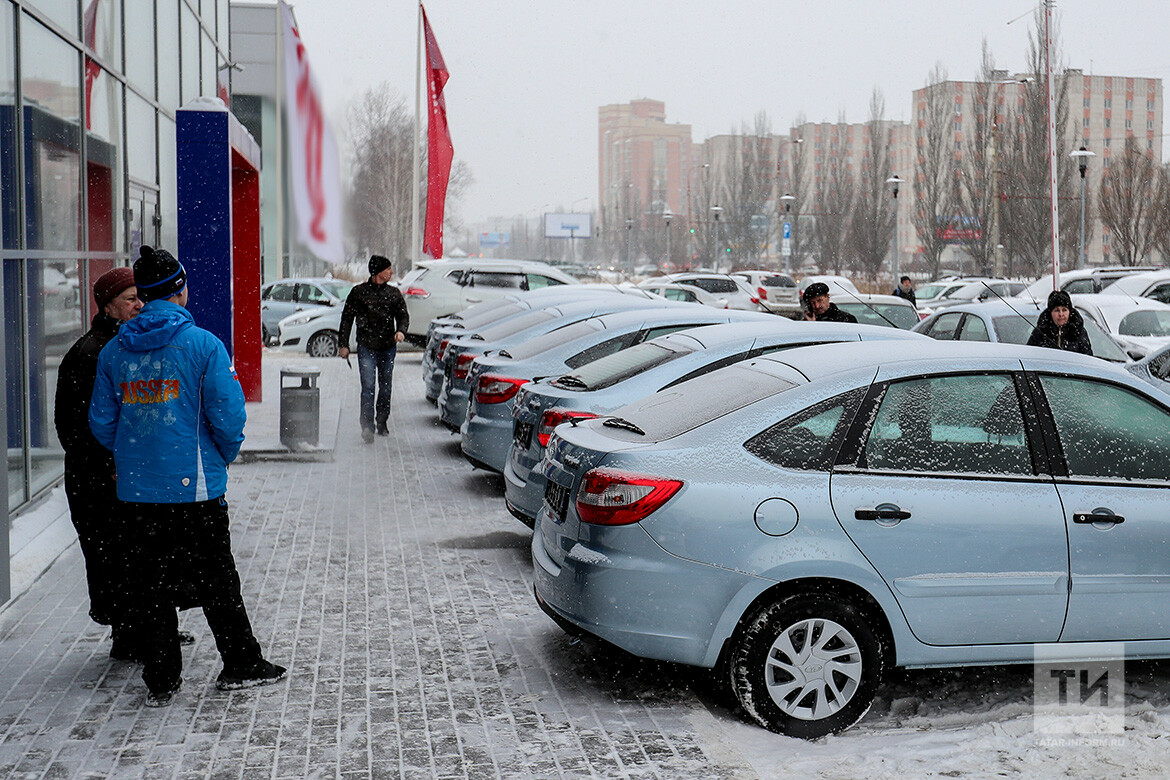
439,148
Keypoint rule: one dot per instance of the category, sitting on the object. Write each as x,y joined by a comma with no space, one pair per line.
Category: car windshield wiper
568,380
624,424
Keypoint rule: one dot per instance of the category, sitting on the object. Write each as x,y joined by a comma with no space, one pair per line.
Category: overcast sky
527,76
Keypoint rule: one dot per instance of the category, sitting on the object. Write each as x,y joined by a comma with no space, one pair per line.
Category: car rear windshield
1147,322
778,280
888,314
619,366
517,324
672,412
555,339
1018,327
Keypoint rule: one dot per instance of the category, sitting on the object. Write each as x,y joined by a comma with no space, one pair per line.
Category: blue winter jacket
169,405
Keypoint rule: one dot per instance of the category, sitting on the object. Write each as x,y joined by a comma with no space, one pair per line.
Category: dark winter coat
380,312
74,387
833,314
1072,337
907,294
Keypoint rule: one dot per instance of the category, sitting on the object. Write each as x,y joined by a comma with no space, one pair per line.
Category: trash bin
300,406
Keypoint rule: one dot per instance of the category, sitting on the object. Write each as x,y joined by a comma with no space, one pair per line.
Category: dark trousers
93,503
180,555
376,367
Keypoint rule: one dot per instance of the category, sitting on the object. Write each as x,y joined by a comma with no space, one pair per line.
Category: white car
686,293
890,311
837,284
314,331
1082,280
978,290
437,288
285,297
1139,325
1150,284
733,290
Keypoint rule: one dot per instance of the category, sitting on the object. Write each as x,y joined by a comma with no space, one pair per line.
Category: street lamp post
785,246
895,182
1082,156
667,215
716,210
629,244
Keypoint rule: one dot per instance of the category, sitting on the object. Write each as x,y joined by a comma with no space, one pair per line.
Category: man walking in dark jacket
167,402
382,320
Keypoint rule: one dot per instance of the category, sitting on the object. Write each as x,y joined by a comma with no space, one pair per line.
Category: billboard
568,225
958,229
493,240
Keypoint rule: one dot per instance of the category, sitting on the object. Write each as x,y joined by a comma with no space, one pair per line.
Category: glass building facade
88,93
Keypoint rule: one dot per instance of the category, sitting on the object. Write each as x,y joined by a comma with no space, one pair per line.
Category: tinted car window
778,280
1080,286
944,326
808,440
674,294
1160,293
974,329
621,365
1145,323
950,424
1108,431
598,351
537,281
281,292
311,293
887,314
495,279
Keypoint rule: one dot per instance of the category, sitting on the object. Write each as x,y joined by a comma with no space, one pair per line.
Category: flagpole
415,242
281,271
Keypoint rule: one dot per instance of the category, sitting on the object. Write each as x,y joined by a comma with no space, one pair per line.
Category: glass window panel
189,72
140,139
9,219
54,323
944,326
52,91
168,53
103,169
14,375
63,12
1147,322
974,329
208,64
140,60
221,21
950,424
168,185
809,440
1108,431
101,30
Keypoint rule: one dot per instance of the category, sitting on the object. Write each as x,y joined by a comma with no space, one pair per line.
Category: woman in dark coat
1060,326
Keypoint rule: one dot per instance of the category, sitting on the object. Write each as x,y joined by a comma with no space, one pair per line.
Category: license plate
522,434
557,498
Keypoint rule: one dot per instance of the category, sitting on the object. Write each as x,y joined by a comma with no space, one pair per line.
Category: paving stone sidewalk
397,589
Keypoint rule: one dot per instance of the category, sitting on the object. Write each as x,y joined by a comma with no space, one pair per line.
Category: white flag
312,153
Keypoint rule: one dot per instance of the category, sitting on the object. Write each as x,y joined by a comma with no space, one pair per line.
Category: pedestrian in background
382,320
906,290
167,402
818,307
1060,326
90,486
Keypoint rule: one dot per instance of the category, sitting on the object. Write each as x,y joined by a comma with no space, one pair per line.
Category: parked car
977,290
736,293
1149,284
686,293
1154,368
494,379
808,520
1010,321
313,331
439,287
1138,325
836,284
599,387
1082,280
284,297
779,294
870,309
443,330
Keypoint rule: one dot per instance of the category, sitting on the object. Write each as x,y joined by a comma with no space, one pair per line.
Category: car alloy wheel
322,345
807,665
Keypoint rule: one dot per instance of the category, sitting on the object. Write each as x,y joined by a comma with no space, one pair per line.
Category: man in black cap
167,403
382,320
818,307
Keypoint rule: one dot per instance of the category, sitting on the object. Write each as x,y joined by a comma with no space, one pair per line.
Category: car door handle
881,512
474,300
1090,518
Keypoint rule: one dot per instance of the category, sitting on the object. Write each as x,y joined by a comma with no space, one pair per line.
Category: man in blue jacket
167,402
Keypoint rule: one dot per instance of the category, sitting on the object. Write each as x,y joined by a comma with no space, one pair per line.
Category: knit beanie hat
1059,298
158,274
111,284
815,289
378,264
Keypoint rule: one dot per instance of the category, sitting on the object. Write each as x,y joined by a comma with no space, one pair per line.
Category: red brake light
442,350
762,293
462,365
416,292
496,389
755,300
554,417
608,497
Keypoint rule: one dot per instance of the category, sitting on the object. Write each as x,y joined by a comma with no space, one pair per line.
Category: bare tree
834,202
1130,194
978,184
803,240
934,170
748,188
872,219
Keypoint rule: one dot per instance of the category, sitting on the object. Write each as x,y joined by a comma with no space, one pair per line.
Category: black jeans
93,501
180,555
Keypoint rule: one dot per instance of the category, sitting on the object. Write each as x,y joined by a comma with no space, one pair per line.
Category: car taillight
416,292
462,365
496,389
763,293
554,417
755,300
609,497
442,350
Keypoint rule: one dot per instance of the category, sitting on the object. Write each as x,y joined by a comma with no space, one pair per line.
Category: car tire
807,665
322,345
